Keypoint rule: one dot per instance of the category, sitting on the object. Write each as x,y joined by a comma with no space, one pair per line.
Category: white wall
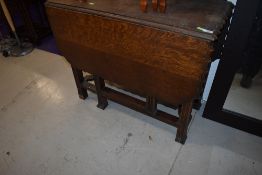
234,1
212,73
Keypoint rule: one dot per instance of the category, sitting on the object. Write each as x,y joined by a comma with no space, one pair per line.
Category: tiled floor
46,129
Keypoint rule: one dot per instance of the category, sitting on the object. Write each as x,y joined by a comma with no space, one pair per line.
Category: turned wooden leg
151,105
100,84
184,112
143,5
155,4
79,78
162,6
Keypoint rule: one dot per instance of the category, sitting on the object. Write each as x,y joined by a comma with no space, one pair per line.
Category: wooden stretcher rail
133,103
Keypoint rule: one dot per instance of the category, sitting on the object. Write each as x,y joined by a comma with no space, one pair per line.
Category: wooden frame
241,25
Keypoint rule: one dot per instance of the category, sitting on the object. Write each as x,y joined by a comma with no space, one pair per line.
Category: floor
246,101
45,129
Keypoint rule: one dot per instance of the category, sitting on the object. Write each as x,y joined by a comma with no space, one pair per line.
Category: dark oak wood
157,55
135,104
231,59
151,105
79,79
100,85
124,54
182,16
184,119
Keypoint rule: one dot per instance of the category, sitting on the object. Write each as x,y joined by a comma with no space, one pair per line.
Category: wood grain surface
147,54
183,16
144,59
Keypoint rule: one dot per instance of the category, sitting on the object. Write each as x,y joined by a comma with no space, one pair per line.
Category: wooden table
161,56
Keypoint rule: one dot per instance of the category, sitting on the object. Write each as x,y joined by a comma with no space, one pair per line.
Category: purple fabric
48,44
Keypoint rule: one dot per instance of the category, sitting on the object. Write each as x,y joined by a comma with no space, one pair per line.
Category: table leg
151,105
100,85
79,79
143,5
162,6
184,112
155,5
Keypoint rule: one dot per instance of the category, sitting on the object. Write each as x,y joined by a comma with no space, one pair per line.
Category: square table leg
184,112
151,105
79,79
100,85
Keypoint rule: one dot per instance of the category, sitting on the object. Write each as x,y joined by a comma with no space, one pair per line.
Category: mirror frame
230,61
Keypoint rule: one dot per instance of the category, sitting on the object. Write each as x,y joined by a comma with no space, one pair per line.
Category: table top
198,18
